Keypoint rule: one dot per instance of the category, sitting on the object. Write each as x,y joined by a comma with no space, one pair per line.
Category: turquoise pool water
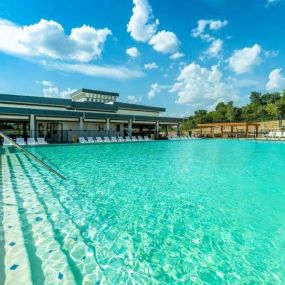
178,212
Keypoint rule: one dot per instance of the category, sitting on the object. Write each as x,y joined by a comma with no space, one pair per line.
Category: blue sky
182,55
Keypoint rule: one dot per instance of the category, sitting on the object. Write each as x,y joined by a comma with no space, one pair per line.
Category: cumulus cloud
51,90
276,80
213,25
154,90
132,52
215,47
165,42
143,28
134,100
204,29
243,60
151,65
107,71
202,87
142,25
47,39
177,55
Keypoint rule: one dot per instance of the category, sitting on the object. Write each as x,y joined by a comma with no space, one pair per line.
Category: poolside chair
271,135
82,140
20,141
106,139
41,141
128,139
134,139
99,140
278,135
283,135
146,138
140,139
90,140
114,139
121,139
31,141
7,143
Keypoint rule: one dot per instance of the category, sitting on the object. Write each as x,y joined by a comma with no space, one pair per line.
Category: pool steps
59,232
44,222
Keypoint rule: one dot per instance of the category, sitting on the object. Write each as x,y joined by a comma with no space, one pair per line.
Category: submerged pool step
47,262
80,254
17,267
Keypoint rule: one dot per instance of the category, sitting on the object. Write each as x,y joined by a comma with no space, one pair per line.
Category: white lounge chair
114,139
127,139
107,139
283,135
90,140
146,138
20,141
278,135
31,141
82,140
99,140
134,139
121,139
140,139
41,141
7,143
271,135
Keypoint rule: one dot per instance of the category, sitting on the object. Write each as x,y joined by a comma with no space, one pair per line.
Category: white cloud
132,52
108,71
177,55
276,80
45,83
142,25
202,87
215,47
165,42
151,65
47,39
143,28
50,90
271,53
245,59
211,24
154,90
272,2
134,100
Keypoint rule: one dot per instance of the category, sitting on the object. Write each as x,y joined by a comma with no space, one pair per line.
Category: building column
32,126
108,126
157,130
166,130
178,129
81,126
130,128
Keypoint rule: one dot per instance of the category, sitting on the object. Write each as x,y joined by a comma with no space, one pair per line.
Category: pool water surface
169,212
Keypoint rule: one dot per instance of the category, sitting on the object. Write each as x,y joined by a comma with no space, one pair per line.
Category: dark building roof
95,92
86,115
69,104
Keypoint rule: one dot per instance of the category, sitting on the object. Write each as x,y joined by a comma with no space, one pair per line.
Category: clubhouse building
88,113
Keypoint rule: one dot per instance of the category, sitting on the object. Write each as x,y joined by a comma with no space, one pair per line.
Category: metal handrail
32,156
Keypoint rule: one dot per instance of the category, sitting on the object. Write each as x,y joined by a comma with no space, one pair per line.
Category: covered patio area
229,130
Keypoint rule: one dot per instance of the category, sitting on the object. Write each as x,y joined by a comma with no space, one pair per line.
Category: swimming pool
176,212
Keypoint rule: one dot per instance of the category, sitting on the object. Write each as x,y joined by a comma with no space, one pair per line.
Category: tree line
262,107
